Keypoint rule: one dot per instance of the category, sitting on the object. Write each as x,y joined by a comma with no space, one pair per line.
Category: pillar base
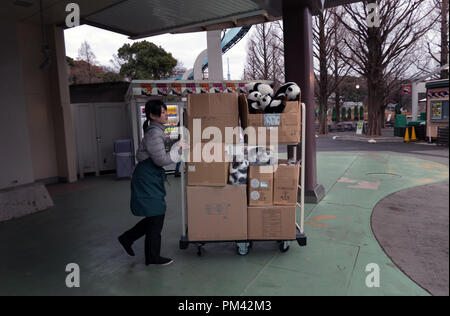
20,201
316,195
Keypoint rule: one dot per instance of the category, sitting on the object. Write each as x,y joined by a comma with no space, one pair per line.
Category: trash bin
123,152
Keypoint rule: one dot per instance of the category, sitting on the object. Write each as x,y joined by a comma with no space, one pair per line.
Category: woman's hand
182,146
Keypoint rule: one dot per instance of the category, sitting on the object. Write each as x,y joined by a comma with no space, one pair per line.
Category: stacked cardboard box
288,123
272,198
216,210
265,209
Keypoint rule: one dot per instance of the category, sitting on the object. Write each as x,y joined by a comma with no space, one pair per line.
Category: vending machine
174,94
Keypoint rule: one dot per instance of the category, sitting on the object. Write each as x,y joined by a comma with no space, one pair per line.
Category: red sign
407,89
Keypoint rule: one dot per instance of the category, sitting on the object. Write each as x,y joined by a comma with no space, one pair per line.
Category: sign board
407,89
359,129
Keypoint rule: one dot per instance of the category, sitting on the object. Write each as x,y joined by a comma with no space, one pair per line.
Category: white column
415,101
215,67
198,64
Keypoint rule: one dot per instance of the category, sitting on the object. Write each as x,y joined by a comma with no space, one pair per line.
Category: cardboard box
208,170
219,110
271,223
288,122
285,185
260,185
217,213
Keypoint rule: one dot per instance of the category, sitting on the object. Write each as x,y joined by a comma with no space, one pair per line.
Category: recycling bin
123,153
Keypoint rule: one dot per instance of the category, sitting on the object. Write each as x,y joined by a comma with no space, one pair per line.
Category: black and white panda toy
262,88
275,106
259,156
254,105
238,172
290,91
264,102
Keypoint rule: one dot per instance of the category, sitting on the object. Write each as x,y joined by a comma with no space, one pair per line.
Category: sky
184,47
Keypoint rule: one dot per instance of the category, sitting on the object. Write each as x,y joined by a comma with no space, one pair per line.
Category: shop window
439,110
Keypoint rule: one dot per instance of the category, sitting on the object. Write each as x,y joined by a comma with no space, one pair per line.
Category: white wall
38,103
36,133
15,153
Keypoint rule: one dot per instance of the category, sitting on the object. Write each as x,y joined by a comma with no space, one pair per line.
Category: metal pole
302,172
298,54
183,186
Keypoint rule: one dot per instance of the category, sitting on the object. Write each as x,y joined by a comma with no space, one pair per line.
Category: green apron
147,190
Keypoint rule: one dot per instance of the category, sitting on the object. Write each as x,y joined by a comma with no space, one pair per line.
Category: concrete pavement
83,226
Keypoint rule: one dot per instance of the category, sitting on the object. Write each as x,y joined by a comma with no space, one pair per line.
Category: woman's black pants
151,227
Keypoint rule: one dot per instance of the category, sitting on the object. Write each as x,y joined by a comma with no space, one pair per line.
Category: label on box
254,183
191,168
272,120
263,184
255,195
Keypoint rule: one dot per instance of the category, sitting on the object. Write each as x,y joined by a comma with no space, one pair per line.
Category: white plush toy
262,88
275,106
254,105
290,91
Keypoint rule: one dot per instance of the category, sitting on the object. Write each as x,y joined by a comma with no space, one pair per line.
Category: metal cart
243,246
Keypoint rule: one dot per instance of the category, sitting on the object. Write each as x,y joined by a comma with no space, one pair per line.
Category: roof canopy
138,18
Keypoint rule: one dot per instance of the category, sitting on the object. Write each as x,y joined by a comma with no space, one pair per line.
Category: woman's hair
153,107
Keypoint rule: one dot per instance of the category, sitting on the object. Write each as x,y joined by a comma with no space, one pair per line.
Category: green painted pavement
83,226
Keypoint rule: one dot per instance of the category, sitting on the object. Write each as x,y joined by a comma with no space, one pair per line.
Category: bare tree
86,54
332,69
440,48
264,55
383,54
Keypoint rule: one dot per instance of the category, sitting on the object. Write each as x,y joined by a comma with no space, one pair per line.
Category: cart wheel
184,244
242,248
284,246
200,249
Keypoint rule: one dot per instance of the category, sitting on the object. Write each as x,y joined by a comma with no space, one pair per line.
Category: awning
144,18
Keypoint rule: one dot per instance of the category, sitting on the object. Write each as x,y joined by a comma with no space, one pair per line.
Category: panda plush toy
290,91
257,103
254,104
260,156
238,172
262,88
275,106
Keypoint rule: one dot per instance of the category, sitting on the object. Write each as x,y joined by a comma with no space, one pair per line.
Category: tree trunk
374,110
444,38
323,88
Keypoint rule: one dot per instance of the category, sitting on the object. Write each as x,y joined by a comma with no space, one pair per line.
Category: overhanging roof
144,18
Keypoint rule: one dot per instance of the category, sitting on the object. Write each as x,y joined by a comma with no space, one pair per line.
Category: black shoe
161,261
126,245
